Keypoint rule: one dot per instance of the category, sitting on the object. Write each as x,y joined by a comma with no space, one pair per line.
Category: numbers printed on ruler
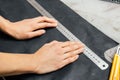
88,52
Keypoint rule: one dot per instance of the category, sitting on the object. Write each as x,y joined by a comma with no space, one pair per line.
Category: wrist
16,64
28,64
34,63
36,66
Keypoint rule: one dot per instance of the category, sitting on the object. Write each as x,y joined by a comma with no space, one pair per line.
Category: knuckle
54,42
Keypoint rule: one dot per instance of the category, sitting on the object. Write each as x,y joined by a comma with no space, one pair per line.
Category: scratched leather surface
83,68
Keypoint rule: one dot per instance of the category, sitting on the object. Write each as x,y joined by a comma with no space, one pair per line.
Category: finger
72,47
69,60
44,25
67,43
73,53
35,33
45,19
55,42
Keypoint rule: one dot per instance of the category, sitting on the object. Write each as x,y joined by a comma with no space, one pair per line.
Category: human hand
28,28
55,55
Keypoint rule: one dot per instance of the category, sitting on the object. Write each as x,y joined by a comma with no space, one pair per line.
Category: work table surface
105,16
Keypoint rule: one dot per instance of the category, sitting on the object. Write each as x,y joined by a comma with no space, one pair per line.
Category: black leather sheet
83,68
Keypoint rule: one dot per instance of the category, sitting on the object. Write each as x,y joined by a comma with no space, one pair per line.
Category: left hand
28,28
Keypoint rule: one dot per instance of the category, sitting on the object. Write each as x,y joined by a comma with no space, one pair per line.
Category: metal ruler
88,52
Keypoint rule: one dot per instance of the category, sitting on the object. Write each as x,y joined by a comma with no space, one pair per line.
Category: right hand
55,55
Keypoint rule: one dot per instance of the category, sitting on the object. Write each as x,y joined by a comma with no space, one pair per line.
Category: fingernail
77,56
82,49
55,21
55,24
43,31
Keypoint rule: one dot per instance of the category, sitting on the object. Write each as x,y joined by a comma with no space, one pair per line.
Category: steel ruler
88,52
